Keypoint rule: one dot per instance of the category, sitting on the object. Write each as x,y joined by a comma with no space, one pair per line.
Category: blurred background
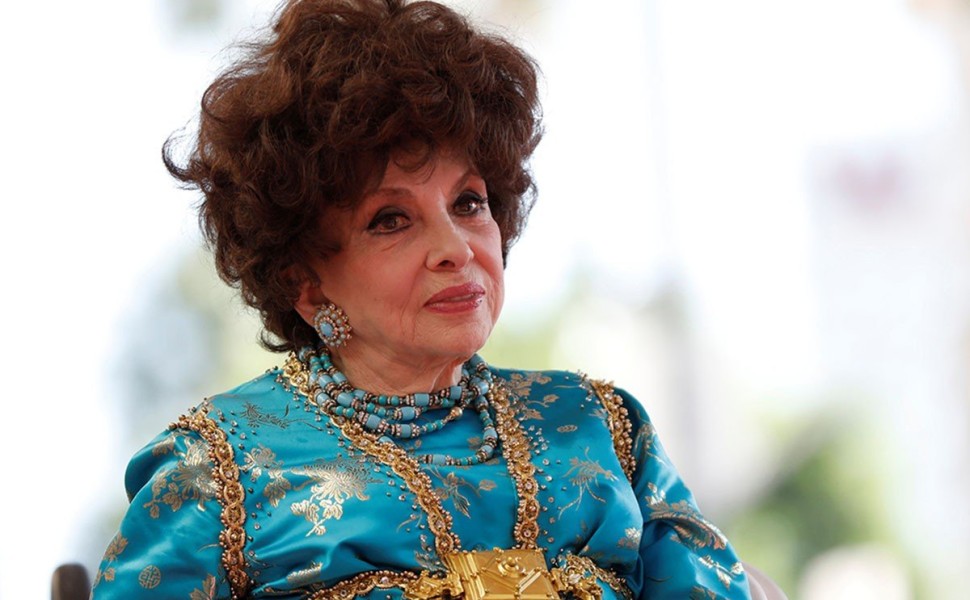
754,215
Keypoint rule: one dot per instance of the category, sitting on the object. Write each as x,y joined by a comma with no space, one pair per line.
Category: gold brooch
497,574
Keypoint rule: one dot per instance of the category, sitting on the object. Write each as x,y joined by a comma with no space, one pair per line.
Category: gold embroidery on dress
631,538
255,417
257,460
262,459
646,442
190,479
520,384
450,489
277,487
115,548
334,482
724,574
164,446
306,576
208,590
618,421
691,528
229,492
530,409
584,475
427,555
150,577
689,525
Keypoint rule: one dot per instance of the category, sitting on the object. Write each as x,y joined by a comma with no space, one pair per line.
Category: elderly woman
364,176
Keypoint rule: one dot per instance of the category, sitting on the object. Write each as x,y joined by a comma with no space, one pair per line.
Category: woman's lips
458,298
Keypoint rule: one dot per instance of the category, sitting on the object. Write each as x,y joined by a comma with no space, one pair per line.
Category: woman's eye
470,203
387,222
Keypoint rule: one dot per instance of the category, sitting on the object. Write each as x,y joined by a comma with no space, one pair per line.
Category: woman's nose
448,247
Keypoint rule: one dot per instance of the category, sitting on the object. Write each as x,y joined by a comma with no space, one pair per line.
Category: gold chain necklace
520,572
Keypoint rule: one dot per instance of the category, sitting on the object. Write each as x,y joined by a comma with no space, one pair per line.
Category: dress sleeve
682,555
168,543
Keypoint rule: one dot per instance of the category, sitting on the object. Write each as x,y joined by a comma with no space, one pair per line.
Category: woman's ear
310,299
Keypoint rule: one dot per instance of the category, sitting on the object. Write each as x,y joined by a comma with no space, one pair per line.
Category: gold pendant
502,575
497,574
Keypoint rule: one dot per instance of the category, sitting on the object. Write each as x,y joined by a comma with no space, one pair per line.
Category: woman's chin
459,341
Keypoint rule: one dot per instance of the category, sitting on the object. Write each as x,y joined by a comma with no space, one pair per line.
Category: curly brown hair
309,116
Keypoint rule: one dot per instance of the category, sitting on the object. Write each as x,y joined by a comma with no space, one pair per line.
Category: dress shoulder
172,487
187,480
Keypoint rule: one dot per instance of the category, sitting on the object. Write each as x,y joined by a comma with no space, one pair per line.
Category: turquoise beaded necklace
392,417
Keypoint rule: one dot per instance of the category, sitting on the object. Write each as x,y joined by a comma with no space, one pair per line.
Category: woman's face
419,272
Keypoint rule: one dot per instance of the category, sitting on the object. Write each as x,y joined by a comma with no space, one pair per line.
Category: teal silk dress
256,494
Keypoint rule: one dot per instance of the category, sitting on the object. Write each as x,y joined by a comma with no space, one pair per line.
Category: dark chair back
70,582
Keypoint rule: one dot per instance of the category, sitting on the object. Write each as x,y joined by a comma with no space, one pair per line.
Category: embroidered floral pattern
520,384
646,443
451,489
333,483
427,556
255,417
583,474
207,591
631,538
725,575
258,460
261,459
190,479
115,548
163,447
691,528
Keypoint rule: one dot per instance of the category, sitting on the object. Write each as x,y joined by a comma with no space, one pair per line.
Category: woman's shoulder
266,399
265,390
523,382
528,383
210,428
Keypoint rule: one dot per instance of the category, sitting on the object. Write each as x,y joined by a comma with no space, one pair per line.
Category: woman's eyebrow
396,191
388,193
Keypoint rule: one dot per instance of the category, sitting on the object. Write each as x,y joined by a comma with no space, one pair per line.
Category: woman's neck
381,374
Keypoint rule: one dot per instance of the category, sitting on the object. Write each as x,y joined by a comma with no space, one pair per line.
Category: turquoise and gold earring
332,325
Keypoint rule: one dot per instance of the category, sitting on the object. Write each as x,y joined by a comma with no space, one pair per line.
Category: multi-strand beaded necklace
394,417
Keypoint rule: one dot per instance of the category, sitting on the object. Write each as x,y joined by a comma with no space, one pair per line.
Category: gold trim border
618,421
364,583
230,494
515,447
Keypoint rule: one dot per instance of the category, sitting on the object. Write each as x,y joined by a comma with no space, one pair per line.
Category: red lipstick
457,298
